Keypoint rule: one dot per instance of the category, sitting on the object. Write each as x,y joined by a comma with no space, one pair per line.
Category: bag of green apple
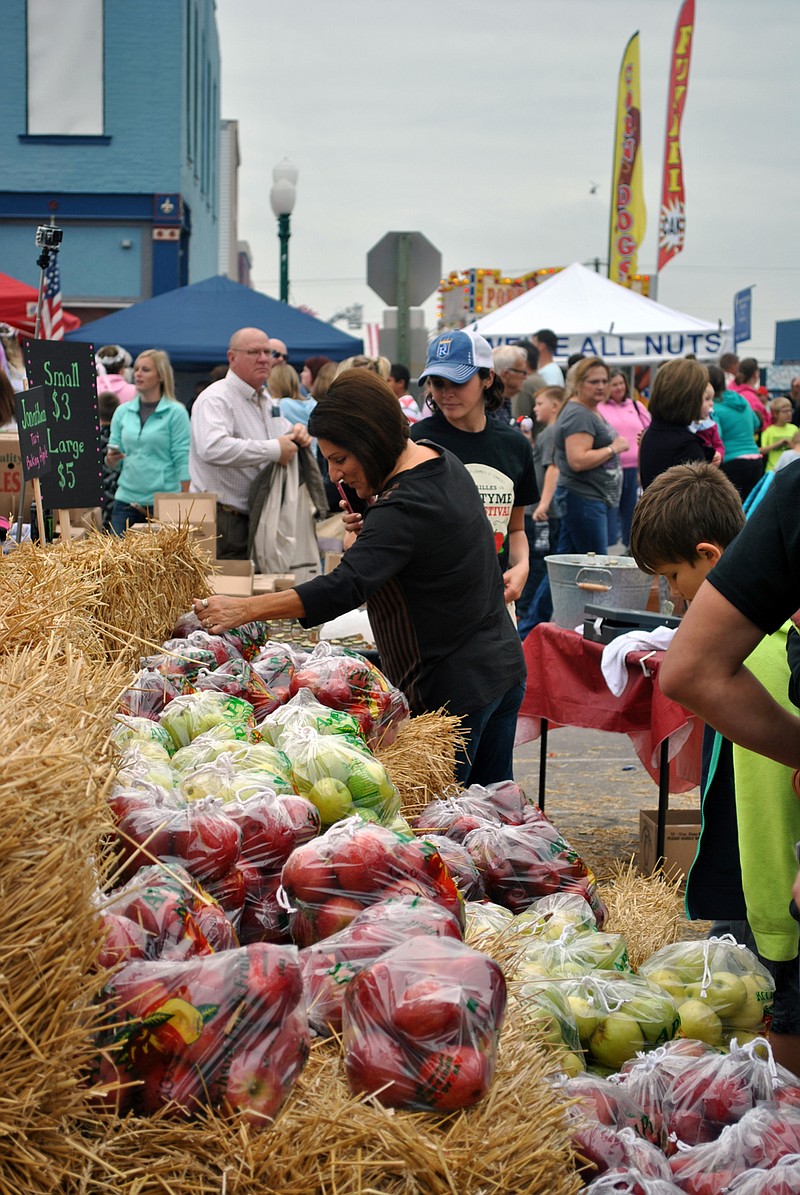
146,760
619,1016
721,988
189,716
304,710
546,1016
339,779
572,955
128,730
225,779
227,1031
248,756
553,916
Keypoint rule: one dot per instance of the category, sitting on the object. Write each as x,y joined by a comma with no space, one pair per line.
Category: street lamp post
282,197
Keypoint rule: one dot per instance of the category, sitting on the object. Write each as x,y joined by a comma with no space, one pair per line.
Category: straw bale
421,760
646,910
110,596
54,722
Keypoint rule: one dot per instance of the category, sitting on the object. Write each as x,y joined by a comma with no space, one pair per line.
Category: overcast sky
483,125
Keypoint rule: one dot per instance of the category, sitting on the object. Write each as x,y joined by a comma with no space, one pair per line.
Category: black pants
232,534
745,472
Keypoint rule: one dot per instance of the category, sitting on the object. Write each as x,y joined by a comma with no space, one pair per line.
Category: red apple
253,1088
377,1065
334,915
454,1077
428,1009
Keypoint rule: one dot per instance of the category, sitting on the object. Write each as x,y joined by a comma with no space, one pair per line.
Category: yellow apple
701,1022
669,981
725,994
750,1012
587,1017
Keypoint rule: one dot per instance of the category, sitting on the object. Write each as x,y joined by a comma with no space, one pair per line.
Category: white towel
615,653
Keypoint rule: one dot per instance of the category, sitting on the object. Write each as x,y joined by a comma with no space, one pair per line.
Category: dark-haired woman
738,425
423,558
463,387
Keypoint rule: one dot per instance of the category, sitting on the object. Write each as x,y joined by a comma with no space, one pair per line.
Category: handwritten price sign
32,428
70,425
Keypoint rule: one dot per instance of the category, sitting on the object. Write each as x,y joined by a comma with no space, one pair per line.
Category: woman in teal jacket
148,442
738,426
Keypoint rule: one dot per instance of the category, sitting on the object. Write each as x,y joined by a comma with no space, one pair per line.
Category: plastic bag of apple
329,966
548,1017
344,680
762,1138
227,1031
339,778
421,1025
329,880
782,1179
303,710
721,989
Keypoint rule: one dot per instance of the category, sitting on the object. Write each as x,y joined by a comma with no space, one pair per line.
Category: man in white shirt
234,435
546,341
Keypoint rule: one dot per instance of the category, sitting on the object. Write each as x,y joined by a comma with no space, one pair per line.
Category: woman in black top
676,402
423,558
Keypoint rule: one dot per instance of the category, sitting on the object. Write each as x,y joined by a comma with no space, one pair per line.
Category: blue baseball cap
457,356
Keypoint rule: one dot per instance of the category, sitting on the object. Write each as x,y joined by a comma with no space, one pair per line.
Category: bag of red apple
148,694
161,913
759,1141
721,989
304,710
246,639
455,817
276,664
237,679
201,837
600,1149
509,800
630,1181
345,680
521,863
182,659
328,966
338,778
187,717
648,1077
421,1026
355,864
705,1098
461,866
782,1179
226,1031
606,1103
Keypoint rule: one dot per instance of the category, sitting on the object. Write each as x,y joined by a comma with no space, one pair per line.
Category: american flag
52,314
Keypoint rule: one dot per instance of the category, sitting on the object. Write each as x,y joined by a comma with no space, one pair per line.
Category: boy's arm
704,670
548,490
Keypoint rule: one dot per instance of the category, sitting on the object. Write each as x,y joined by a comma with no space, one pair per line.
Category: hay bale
421,760
54,722
111,597
646,910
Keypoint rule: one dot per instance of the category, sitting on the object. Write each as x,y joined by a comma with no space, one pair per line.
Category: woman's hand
353,523
114,458
541,514
218,614
620,444
299,434
514,580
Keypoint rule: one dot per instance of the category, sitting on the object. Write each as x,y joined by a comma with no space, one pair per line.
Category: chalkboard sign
66,372
32,429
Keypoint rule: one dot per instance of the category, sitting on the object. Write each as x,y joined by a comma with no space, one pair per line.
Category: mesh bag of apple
328,966
227,1031
344,680
517,850
421,1025
763,1138
547,1016
629,1180
782,1179
247,640
328,881
721,989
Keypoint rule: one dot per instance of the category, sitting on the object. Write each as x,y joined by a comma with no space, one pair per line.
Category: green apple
571,1064
750,1012
617,1038
586,1015
332,798
545,1025
656,1016
668,979
725,994
700,1022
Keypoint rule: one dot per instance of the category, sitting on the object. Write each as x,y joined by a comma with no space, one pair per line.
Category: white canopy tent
597,317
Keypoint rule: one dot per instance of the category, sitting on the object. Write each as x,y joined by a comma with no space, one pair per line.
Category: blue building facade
111,127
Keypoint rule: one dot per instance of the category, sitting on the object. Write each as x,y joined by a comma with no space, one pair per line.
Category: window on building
65,68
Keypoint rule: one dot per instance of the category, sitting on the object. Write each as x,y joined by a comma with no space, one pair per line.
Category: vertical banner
742,315
628,215
672,221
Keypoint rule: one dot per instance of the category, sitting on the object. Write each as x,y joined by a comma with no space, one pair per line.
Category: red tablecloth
565,686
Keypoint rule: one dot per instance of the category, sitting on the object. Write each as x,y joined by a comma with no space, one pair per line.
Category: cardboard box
681,834
234,578
11,479
199,510
273,582
331,560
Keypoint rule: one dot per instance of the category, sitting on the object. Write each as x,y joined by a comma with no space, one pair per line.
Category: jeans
123,513
620,517
585,527
489,752
540,607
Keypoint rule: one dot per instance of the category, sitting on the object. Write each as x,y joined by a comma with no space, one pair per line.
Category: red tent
18,306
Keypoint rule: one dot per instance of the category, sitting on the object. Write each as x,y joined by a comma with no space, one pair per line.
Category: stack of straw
53,725
421,760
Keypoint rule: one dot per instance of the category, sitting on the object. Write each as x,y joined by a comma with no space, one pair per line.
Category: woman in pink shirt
629,419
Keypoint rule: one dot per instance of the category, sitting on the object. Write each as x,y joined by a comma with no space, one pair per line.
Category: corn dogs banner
672,221
628,215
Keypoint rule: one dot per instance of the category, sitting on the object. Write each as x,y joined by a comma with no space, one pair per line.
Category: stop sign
399,252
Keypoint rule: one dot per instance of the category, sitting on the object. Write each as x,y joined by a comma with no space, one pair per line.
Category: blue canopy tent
194,324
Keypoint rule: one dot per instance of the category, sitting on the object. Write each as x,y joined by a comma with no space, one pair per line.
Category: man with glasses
511,366
235,434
